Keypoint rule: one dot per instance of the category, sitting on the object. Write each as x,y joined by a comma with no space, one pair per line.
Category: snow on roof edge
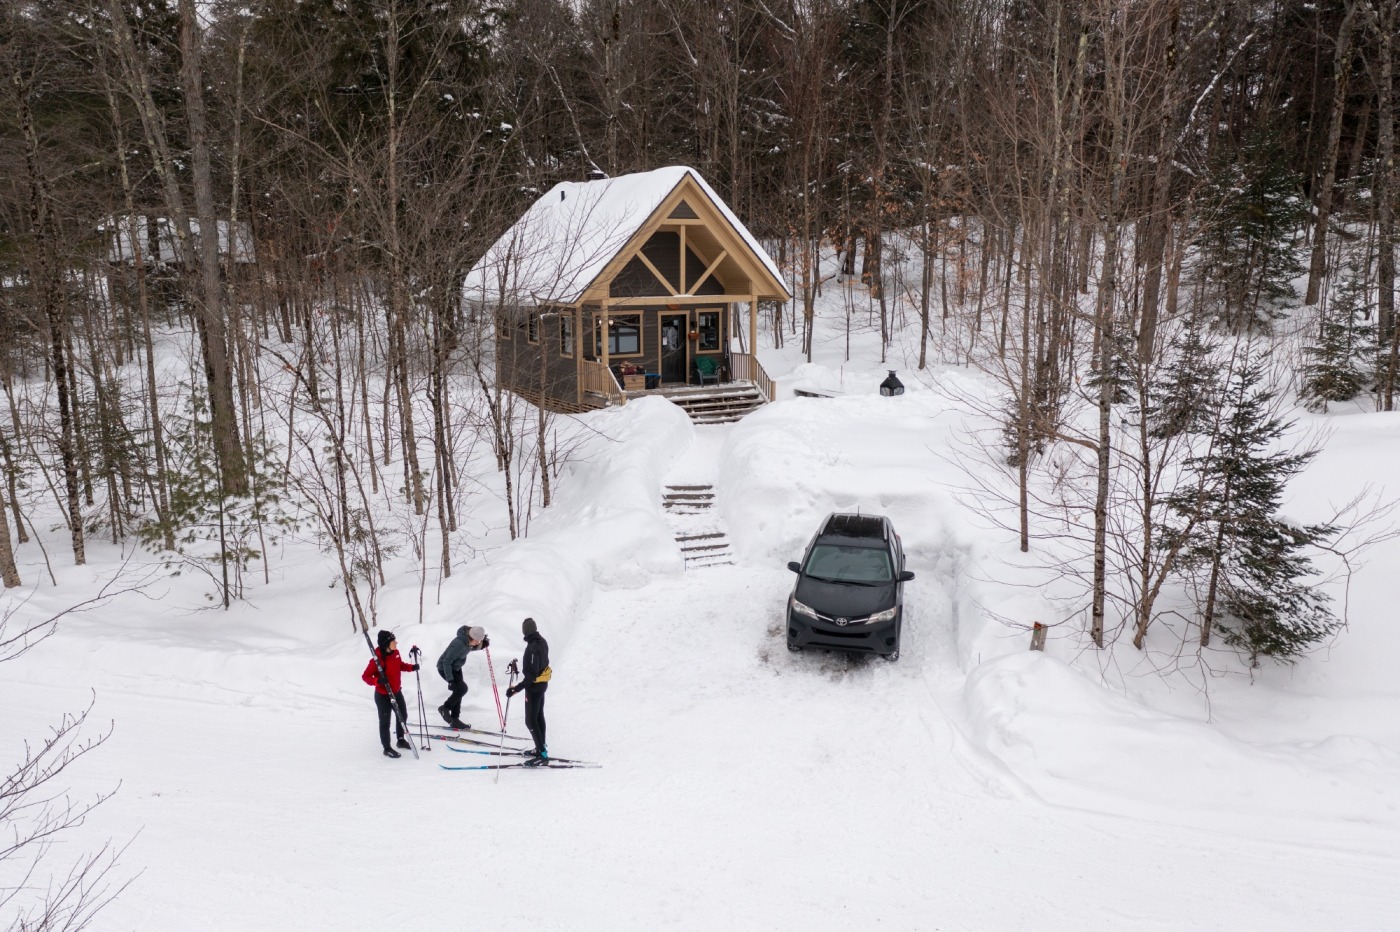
563,242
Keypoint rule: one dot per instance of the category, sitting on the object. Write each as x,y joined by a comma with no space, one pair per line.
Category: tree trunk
49,288
210,315
1159,208
1385,184
1115,98
9,573
1324,194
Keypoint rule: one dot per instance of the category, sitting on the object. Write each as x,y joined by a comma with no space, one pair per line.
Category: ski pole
511,668
499,714
414,652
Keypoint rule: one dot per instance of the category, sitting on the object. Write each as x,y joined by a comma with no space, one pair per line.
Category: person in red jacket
394,666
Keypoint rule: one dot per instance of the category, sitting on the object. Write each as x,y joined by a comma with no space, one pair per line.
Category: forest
1152,224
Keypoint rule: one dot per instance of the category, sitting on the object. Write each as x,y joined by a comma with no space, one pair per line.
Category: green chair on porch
707,369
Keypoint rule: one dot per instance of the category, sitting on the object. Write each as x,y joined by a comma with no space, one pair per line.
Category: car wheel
891,658
793,648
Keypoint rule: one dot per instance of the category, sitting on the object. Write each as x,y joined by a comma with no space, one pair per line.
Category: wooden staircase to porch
716,404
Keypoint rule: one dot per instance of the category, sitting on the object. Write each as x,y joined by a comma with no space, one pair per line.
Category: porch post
578,353
753,327
604,339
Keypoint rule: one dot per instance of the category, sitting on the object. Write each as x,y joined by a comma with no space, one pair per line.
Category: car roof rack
857,525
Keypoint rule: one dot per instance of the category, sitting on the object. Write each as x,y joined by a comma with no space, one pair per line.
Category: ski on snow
460,739
522,765
498,753
475,731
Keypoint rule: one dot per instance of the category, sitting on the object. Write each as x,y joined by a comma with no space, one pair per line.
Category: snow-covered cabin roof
560,246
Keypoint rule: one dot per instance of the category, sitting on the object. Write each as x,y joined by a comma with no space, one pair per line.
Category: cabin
619,287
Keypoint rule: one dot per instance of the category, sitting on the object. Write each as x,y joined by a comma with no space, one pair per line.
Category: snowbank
1075,743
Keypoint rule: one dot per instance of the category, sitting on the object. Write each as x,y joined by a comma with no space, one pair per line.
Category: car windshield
849,564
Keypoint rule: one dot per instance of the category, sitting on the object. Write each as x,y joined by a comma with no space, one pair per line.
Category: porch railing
599,379
746,368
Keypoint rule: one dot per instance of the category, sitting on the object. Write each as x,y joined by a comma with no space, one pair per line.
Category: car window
849,564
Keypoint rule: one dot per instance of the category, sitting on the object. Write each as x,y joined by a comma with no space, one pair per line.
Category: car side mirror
795,566
906,576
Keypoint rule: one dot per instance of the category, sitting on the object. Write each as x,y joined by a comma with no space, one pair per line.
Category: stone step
688,537
689,488
687,496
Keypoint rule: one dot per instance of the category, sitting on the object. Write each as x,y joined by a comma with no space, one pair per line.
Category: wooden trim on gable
641,254
711,217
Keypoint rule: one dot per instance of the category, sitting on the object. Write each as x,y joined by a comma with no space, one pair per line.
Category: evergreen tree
1251,560
1254,208
1188,388
216,533
1335,368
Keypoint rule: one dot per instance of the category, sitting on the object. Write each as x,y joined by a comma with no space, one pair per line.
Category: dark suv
850,588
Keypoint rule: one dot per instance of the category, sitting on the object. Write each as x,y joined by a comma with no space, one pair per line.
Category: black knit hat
529,627
386,637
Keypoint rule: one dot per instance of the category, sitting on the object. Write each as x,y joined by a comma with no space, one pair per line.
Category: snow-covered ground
972,785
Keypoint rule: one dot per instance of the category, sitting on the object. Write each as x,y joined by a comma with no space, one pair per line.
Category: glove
513,690
485,643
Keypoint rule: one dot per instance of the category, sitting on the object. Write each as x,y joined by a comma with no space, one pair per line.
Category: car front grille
859,620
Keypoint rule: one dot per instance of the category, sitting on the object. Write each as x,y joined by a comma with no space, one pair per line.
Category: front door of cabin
673,348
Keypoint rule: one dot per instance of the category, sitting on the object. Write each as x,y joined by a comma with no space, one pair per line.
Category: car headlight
801,609
887,615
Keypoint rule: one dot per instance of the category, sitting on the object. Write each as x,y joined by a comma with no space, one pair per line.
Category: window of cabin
624,335
532,328
707,322
566,335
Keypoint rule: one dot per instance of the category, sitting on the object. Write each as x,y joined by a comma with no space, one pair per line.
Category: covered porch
675,349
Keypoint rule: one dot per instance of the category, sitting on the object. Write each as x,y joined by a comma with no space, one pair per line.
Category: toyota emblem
843,621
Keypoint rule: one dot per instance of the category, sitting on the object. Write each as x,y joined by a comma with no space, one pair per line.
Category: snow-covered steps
696,527
717,404
687,499
704,550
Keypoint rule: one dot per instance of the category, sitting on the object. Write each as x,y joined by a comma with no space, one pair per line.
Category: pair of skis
470,731
549,760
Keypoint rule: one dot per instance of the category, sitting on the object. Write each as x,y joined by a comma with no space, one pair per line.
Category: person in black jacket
535,674
449,667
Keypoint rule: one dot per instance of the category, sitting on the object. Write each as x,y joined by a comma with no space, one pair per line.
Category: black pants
382,701
453,705
534,715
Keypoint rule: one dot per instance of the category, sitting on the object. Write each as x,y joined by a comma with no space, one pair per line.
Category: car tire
793,648
891,658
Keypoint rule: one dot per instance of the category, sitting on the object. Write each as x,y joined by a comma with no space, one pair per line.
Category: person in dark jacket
534,680
449,667
384,693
